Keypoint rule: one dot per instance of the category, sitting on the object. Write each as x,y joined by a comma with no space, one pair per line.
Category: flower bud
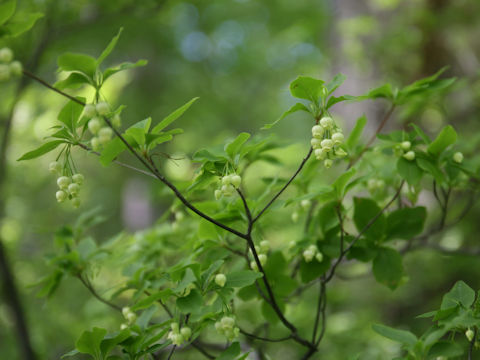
16,68
337,138
6,55
469,334
295,216
264,246
227,180
117,121
78,179
236,180
125,311
123,326
131,317
316,143
319,257
410,155
95,144
328,163
253,265
308,255
94,125
105,135
54,167
220,280
326,122
219,327
102,108
63,182
317,131
262,258
340,153
186,332
73,188
320,154
89,110
218,194
305,204
327,145
179,216
4,72
177,339
458,157
61,196
227,322
228,190
406,145
76,202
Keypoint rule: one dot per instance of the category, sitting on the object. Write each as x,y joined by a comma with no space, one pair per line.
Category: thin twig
92,290
261,338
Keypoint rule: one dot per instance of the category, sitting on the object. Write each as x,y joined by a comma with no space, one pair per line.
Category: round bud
317,131
117,121
319,257
102,108
326,122
397,150
328,163
227,180
220,280
125,311
177,339
105,135
410,155
227,322
74,188
295,216
262,258
406,145
236,180
123,326
54,167
63,182
372,185
174,327
78,179
131,317
179,216
16,68
219,327
186,332
316,143
308,255
327,145
340,153
253,266
305,204
89,110
458,157
4,72
320,154
218,194
264,246
337,138
61,196
76,202
95,143
6,55
469,334
94,125
228,190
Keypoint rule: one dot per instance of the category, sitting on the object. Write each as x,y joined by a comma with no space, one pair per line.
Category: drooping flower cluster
229,184
262,251
179,336
8,66
101,133
130,316
312,252
69,186
326,140
226,326
404,149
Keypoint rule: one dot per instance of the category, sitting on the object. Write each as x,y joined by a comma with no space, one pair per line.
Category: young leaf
335,100
307,88
139,130
78,62
114,148
124,66
401,336
173,116
421,133
294,108
73,81
387,267
109,47
461,293
406,223
352,140
42,150
231,353
190,303
7,9
89,342
447,137
20,23
242,278
234,147
409,171
384,91
70,113
335,83
365,211
341,182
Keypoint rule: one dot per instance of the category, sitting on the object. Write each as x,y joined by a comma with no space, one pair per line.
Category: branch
285,186
261,338
92,290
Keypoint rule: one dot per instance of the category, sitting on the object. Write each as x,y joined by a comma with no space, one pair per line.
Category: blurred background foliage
238,57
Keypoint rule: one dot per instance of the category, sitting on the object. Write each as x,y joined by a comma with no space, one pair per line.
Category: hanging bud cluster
304,206
226,327
101,133
179,336
326,140
229,184
8,66
262,251
129,315
404,149
312,252
69,186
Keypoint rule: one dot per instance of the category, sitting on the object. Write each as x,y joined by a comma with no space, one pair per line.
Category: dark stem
261,338
92,290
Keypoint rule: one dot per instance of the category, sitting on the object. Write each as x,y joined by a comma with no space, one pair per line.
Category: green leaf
173,116
387,267
109,47
42,150
445,349
152,299
190,303
7,9
233,148
20,23
70,114
139,130
461,293
384,91
89,342
365,211
352,140
231,353
73,81
421,133
429,166
341,182
78,62
307,88
401,336
335,100
335,83
447,137
123,66
406,223
313,269
110,341
409,171
114,148
293,109
242,278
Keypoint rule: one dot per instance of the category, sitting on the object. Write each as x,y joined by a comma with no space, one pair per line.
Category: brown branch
92,290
